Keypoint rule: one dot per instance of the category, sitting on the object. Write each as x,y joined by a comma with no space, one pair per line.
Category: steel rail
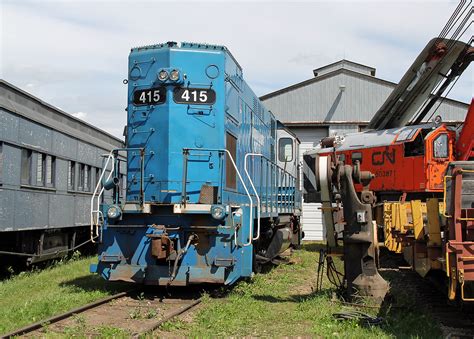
59,317
38,325
167,318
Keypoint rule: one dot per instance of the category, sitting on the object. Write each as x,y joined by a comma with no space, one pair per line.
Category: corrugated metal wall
343,129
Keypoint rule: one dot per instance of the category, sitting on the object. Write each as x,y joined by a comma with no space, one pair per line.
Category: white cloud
76,53
80,115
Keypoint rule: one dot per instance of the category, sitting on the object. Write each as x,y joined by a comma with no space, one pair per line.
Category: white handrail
250,198
97,212
256,194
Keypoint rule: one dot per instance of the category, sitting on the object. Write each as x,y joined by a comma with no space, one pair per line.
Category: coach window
80,185
285,149
71,175
356,156
26,166
50,170
231,174
40,168
87,178
1,162
97,175
440,146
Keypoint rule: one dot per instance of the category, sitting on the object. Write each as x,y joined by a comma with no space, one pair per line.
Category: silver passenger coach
49,164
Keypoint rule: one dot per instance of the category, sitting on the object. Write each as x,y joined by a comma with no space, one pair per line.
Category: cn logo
378,158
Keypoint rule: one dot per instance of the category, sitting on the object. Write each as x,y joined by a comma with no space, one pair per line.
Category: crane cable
459,31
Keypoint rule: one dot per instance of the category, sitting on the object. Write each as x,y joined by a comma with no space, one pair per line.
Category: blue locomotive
212,178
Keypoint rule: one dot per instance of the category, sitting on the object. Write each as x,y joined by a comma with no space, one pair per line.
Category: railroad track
135,312
429,295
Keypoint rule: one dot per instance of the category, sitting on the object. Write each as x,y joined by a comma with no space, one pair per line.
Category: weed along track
130,313
427,296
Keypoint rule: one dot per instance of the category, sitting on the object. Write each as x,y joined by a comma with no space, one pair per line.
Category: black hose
362,317
178,258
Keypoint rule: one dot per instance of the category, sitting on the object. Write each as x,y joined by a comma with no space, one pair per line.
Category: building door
311,219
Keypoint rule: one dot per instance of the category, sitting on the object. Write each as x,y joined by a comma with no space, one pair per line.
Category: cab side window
285,149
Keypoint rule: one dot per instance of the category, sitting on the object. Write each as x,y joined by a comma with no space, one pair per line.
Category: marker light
114,212
218,212
174,75
163,75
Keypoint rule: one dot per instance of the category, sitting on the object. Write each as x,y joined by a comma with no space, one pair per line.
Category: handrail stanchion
255,191
97,212
184,194
99,191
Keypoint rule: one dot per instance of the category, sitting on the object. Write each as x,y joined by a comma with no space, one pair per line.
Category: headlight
114,212
218,212
174,75
163,75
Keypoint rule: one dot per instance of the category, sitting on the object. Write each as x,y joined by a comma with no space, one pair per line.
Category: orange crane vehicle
404,182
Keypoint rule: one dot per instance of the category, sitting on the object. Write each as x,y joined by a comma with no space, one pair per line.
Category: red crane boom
465,142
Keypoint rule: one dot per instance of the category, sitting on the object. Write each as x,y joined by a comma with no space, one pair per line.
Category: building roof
13,98
324,77
343,95
346,64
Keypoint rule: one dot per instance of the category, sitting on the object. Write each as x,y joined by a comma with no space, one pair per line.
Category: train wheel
256,266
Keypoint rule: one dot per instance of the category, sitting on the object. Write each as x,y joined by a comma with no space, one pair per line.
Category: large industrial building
340,98
50,163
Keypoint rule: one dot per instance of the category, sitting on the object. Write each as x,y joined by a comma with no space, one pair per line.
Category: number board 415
196,96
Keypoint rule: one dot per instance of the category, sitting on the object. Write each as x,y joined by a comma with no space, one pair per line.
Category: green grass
282,303
34,296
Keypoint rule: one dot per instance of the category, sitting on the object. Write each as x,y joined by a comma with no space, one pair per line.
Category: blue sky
73,54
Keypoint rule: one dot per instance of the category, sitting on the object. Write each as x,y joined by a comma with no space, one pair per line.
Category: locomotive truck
212,177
